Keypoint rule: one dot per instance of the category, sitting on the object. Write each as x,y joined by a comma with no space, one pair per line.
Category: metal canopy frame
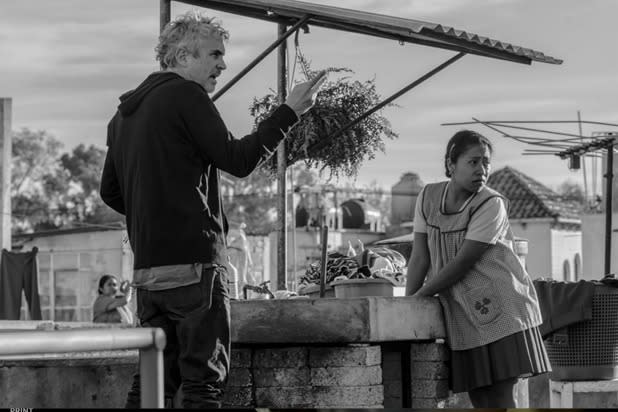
297,14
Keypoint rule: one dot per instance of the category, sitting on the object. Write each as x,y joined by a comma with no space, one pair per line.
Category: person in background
166,145
463,252
109,307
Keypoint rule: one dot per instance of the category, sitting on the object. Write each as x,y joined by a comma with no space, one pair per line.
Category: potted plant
339,101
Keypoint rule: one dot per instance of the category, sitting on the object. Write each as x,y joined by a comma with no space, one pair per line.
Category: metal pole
151,378
579,123
328,140
150,342
6,106
64,341
281,165
293,225
609,174
165,10
324,261
261,57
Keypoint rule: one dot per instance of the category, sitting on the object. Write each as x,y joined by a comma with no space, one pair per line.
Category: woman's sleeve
101,304
420,225
489,223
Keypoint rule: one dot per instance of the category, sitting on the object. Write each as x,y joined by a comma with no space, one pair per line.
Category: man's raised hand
302,97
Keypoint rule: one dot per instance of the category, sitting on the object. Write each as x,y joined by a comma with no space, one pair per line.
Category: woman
109,308
463,238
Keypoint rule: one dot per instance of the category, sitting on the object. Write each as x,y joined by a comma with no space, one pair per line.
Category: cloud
70,60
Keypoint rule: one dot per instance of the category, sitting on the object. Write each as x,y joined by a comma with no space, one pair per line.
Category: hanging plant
339,101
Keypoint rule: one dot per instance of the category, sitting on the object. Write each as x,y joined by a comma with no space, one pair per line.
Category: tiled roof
529,198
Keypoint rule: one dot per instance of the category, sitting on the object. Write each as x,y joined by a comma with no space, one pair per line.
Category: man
166,145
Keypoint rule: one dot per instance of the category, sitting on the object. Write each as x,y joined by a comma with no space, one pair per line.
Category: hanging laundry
18,271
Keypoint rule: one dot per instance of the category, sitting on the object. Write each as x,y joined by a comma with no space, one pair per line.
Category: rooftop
529,198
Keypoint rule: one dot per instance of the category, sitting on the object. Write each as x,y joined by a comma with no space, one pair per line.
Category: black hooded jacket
166,144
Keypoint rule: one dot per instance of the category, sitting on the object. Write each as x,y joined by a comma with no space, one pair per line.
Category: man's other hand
302,97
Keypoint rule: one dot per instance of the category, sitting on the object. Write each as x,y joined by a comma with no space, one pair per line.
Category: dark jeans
198,339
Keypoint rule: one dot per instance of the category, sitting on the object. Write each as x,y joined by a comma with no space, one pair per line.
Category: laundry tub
589,349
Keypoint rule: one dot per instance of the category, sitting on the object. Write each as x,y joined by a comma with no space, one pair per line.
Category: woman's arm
418,265
118,301
470,253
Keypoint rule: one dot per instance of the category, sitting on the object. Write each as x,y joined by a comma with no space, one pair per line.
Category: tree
50,190
571,190
37,180
84,166
255,198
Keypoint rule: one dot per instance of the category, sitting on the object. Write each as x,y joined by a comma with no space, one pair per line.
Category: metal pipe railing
149,341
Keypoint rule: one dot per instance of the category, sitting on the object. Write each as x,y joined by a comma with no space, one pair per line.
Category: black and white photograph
327,205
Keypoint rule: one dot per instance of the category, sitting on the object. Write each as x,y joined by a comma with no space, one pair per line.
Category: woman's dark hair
102,281
462,141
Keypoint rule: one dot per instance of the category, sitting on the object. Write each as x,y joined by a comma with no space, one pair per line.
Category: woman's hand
419,294
126,289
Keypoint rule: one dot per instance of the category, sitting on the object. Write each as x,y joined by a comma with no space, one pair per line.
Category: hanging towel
18,271
563,303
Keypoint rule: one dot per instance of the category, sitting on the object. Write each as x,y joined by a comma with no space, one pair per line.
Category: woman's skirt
519,355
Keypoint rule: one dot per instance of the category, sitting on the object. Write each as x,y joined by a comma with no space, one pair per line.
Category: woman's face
110,287
472,168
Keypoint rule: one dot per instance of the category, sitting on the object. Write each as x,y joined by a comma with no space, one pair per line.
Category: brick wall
392,379
347,376
344,376
429,374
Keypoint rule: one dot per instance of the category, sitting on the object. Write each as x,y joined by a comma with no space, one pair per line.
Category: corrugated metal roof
529,198
379,25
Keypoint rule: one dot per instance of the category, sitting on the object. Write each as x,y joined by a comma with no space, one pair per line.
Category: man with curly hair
166,145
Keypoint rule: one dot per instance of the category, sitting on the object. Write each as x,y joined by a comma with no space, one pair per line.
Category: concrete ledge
330,320
96,358
308,321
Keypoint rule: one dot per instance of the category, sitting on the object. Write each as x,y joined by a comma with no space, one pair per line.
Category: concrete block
391,373
429,370
240,358
65,387
287,357
347,376
345,356
601,400
458,401
269,377
392,389
429,352
391,366
284,397
454,401
239,377
428,403
538,391
392,403
350,396
429,388
235,397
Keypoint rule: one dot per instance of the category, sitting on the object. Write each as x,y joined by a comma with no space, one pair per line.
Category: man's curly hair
186,32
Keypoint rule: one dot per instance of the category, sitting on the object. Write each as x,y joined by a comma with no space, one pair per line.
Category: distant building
70,263
404,194
551,224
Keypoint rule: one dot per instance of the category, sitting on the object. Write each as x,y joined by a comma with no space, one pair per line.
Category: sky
67,61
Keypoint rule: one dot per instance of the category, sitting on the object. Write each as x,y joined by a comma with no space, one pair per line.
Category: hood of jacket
130,101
